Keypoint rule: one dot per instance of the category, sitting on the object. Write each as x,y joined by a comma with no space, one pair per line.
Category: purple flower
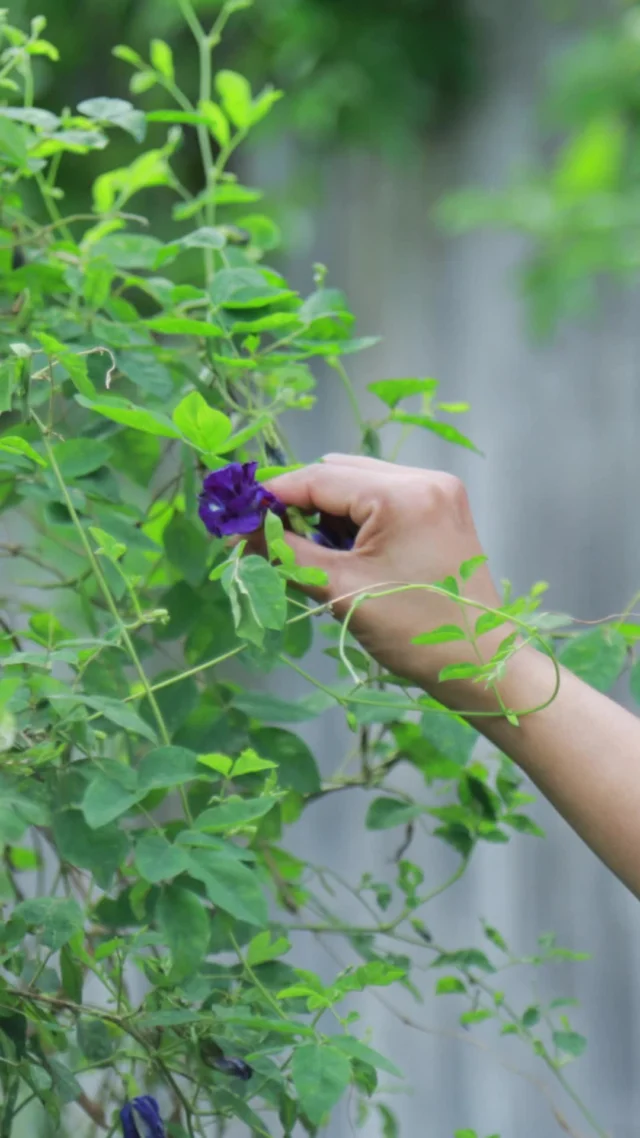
232,502
335,533
141,1118
236,1067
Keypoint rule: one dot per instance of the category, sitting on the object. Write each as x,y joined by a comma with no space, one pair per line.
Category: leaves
157,860
202,425
57,919
139,418
230,886
386,813
597,657
258,597
321,1074
184,923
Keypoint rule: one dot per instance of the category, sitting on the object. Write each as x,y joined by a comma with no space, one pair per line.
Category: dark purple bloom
236,1067
141,1118
335,533
232,502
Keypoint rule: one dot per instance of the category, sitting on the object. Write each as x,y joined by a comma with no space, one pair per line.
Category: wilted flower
236,1067
232,502
141,1118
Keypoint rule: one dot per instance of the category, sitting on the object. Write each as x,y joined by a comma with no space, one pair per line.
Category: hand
415,527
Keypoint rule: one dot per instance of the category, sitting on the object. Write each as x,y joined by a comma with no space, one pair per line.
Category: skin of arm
416,528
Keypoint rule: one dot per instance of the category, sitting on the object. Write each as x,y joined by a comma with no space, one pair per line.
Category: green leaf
321,1074
379,706
258,596
385,813
450,985
216,121
73,364
250,763
59,918
230,886
157,860
170,1018
592,160
262,949
358,1050
116,711
478,1016
13,144
162,58
187,548
570,1042
129,250
393,391
167,767
597,657
100,851
116,112
271,709
184,326
235,94
13,444
234,813
468,568
106,799
442,635
139,418
246,288
94,1040
296,765
79,457
531,1017
204,238
443,430
185,925
205,427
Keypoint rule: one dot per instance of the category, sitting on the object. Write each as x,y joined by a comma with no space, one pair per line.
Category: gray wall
555,499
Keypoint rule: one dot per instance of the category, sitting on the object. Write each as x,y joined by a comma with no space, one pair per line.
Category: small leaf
234,813
157,860
450,985
443,430
597,657
230,885
358,1050
216,121
468,568
162,58
386,813
393,391
235,95
167,767
13,444
442,635
139,418
570,1042
205,427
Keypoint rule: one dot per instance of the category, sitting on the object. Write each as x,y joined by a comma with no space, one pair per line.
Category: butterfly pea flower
235,1067
232,502
141,1118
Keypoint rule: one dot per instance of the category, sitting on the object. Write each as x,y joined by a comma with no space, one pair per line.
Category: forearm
582,751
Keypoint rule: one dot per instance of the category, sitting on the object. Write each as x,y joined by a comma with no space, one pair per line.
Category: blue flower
141,1118
236,1067
232,502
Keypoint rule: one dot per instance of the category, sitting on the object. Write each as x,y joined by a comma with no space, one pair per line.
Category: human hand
415,527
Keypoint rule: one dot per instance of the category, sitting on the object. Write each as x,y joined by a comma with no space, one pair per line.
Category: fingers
330,488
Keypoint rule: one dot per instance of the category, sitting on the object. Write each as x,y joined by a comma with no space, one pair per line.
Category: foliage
148,897
580,208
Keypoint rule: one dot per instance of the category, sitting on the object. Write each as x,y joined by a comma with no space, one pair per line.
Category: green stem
348,386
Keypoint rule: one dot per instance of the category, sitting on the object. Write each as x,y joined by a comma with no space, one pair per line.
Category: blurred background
469,170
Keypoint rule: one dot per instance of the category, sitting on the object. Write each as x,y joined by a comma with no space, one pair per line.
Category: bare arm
416,527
